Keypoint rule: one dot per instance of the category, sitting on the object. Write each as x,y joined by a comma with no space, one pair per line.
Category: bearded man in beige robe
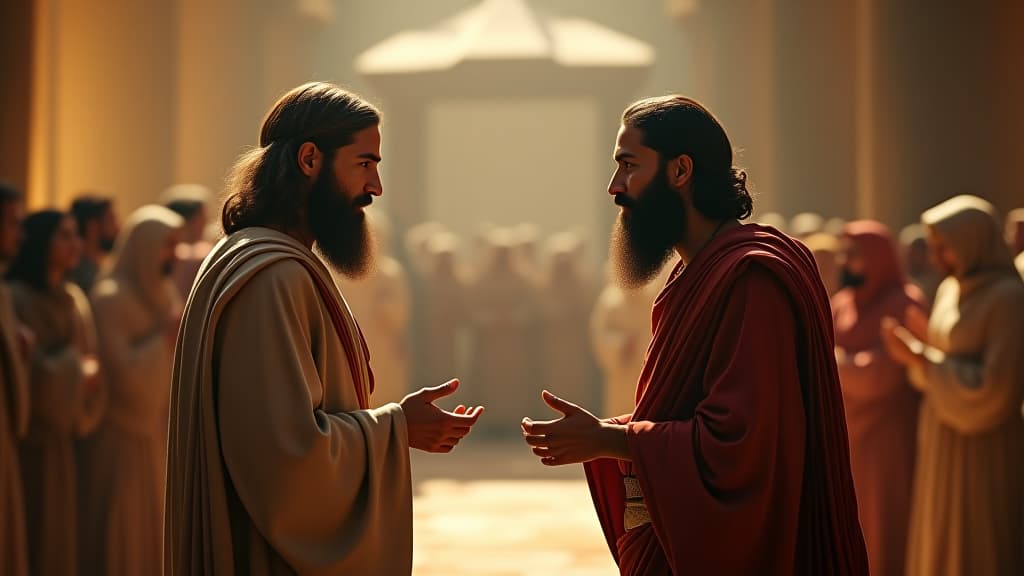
277,463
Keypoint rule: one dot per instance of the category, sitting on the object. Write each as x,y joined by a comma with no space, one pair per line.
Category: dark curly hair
265,186
676,125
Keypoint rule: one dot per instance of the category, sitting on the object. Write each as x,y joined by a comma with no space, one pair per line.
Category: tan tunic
273,467
62,329
122,522
968,504
14,418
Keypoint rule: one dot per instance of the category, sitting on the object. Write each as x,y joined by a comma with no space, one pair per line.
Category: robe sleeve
975,395
315,484
729,477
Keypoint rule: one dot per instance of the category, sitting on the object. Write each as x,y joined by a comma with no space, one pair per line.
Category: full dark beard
645,234
339,227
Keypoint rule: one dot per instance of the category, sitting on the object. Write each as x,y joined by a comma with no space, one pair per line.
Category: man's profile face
10,230
342,189
652,218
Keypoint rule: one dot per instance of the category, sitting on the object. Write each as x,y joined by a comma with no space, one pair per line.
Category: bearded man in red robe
735,459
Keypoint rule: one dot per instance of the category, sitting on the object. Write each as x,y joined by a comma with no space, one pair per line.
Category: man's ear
310,158
680,170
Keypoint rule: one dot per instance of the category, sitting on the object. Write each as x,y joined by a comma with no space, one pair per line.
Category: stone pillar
815,103
220,91
950,85
106,100
733,44
16,49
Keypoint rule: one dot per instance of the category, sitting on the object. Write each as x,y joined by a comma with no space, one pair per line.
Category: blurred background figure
834,227
967,361
445,312
620,330
381,301
503,312
805,224
98,226
825,248
881,405
1015,237
189,201
62,372
138,311
917,260
773,219
567,300
1015,231
14,398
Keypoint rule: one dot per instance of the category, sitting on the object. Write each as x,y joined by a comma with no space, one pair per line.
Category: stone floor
490,508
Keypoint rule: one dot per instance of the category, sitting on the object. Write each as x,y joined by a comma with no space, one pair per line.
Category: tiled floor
492,509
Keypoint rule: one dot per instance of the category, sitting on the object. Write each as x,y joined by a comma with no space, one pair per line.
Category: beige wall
106,98
513,161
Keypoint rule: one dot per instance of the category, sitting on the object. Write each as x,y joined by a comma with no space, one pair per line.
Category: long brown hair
676,125
265,186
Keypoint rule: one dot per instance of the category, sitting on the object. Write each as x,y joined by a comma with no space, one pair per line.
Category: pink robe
881,405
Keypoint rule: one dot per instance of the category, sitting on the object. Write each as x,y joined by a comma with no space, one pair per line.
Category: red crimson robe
738,439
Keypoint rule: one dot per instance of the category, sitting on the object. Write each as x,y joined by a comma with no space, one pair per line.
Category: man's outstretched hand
432,429
578,436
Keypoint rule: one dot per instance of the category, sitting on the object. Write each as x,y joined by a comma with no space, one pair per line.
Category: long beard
339,227
644,236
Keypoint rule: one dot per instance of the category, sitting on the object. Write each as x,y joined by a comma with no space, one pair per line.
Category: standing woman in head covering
63,373
881,405
968,362
137,315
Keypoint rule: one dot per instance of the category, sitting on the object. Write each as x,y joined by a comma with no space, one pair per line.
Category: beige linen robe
968,506
62,327
134,308
275,464
14,418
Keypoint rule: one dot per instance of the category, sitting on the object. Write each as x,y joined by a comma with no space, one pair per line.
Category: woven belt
636,509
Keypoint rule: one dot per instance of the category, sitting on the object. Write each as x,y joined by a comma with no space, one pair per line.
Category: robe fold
14,419
276,465
881,404
738,440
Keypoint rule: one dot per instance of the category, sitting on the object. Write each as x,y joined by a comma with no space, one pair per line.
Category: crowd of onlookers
89,314
929,329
